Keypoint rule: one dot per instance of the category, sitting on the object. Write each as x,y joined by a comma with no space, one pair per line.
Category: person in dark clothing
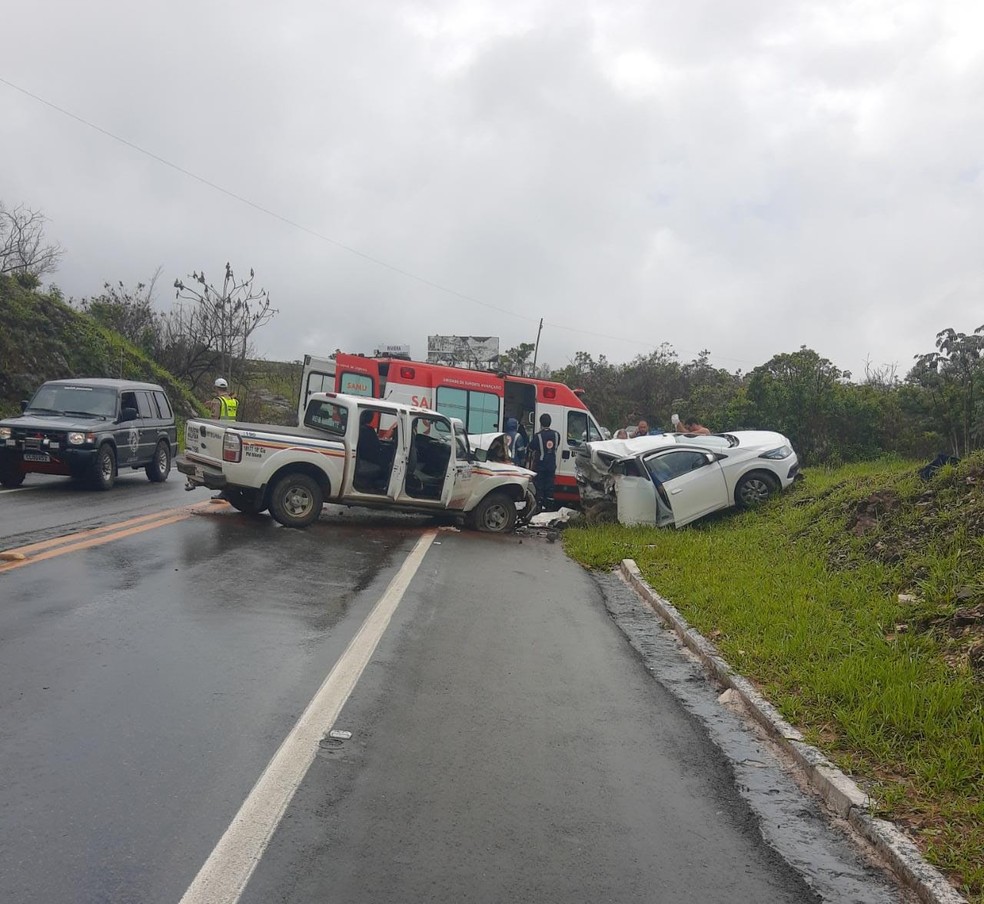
543,460
516,441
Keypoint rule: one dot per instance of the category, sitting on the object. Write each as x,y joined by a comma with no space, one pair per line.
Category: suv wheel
158,468
104,468
10,475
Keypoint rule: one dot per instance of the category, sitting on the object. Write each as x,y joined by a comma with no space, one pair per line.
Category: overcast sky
745,176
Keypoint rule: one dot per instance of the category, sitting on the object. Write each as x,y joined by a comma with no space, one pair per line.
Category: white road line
20,489
223,877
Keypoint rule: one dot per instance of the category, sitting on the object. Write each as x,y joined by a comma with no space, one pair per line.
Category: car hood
53,422
716,442
482,440
623,448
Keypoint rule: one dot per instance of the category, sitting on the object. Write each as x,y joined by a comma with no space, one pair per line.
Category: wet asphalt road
508,742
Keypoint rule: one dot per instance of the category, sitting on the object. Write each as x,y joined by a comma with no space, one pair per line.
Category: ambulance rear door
358,376
318,375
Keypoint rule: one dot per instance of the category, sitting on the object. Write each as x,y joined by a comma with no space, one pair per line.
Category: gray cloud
745,177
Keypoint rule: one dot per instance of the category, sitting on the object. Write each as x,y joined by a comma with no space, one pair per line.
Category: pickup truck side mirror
24,404
480,455
128,414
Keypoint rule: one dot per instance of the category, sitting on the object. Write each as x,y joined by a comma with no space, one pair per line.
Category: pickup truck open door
430,460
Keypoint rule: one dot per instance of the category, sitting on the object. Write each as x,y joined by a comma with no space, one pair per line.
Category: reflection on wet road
504,741
145,683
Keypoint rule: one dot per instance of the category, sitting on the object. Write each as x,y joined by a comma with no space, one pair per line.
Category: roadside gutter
838,791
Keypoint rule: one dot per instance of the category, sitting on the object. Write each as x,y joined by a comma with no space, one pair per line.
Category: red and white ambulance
480,399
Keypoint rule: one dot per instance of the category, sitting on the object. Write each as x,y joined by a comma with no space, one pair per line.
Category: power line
312,232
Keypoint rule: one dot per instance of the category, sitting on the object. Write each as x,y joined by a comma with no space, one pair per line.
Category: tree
795,394
212,335
517,360
23,250
130,312
953,380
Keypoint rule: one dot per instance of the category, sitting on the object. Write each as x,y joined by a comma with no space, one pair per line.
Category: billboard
479,352
392,351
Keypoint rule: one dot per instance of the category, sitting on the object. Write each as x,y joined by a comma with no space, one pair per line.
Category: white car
676,478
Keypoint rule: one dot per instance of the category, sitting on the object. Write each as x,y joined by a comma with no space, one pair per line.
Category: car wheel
296,500
249,502
104,468
495,514
11,476
755,488
160,467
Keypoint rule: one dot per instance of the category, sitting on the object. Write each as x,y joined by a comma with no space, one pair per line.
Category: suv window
143,404
128,400
163,406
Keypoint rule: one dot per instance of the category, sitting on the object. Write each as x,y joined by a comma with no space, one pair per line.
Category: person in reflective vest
543,460
224,406
515,442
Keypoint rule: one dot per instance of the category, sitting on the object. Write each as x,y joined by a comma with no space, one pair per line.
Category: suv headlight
777,454
4,432
80,439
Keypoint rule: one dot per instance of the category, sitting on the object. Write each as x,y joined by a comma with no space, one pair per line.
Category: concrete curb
839,792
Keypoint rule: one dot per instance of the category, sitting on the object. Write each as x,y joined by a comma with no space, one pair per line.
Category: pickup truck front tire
296,500
495,514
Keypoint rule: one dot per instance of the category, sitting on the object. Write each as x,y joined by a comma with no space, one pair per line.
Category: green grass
805,604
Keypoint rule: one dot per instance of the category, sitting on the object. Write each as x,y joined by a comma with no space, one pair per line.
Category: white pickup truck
352,450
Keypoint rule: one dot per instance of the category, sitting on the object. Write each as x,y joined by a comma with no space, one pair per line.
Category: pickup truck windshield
327,416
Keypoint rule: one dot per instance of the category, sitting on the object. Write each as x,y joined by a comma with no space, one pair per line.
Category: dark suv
87,429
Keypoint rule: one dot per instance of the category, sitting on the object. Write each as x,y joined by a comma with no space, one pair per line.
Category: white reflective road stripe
223,877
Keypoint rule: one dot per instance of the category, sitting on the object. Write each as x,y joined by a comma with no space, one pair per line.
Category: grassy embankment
856,604
42,338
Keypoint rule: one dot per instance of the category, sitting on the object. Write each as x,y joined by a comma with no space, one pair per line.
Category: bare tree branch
22,244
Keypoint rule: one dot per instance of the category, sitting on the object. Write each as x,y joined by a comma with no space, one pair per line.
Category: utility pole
536,348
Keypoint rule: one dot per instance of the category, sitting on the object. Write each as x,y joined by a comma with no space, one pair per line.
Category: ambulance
480,399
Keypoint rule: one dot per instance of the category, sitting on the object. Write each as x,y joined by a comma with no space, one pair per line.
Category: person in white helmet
225,405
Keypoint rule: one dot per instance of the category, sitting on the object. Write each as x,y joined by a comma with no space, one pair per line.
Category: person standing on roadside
543,460
225,405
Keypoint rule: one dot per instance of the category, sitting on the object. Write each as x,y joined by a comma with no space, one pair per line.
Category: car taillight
232,447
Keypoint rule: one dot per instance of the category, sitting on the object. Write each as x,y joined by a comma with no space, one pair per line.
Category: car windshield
83,401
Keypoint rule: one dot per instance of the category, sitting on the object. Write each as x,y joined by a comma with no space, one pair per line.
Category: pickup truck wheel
495,514
296,500
249,502
158,469
103,474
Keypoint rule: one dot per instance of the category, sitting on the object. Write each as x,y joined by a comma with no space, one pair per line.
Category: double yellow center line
48,549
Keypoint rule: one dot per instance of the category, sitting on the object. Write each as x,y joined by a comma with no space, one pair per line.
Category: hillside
45,339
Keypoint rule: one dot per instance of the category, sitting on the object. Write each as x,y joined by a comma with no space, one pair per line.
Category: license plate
199,472
36,456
